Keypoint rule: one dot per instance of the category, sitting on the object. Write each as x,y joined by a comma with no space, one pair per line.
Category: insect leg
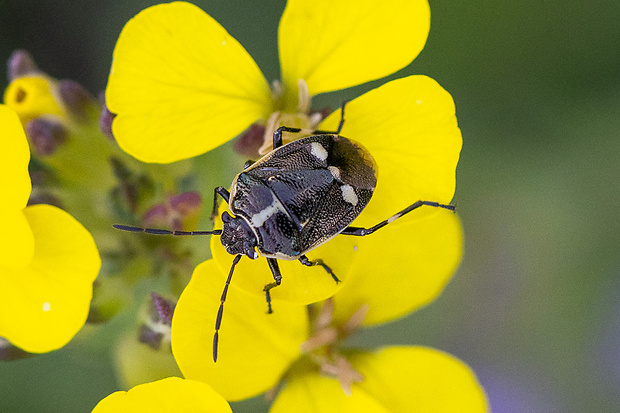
305,261
340,124
277,276
277,135
366,231
223,192
220,311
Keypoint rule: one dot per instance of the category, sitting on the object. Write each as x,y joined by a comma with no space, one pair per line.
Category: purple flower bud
105,122
45,135
156,216
248,143
150,337
175,212
187,203
20,64
160,314
162,309
76,98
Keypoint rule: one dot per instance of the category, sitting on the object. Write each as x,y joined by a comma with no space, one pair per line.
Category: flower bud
77,100
132,188
45,135
250,141
177,212
20,64
161,309
105,122
157,328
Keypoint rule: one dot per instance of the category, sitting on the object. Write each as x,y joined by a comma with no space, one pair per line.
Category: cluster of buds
48,108
77,166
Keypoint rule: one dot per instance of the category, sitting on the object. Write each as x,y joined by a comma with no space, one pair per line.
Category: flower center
302,117
257,140
323,345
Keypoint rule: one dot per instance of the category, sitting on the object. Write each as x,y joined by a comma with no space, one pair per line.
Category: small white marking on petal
224,42
318,150
419,102
47,306
334,171
348,194
355,248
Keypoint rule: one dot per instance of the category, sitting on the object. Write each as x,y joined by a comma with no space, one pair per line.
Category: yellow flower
48,261
181,85
304,357
169,395
409,127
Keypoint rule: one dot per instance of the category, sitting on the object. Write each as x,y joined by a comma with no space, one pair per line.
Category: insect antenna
220,311
156,231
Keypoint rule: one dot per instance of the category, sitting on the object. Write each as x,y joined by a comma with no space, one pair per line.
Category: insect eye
226,217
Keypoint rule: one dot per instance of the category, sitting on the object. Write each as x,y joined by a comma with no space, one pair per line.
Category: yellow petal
14,159
46,303
395,379
255,348
181,85
300,284
168,395
311,392
334,44
401,268
409,126
401,378
16,241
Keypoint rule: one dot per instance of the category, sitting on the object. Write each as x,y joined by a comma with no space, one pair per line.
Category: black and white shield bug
293,199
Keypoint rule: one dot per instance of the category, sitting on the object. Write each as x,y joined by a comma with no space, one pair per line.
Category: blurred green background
535,306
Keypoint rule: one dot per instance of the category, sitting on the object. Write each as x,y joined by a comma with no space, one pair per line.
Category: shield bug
293,199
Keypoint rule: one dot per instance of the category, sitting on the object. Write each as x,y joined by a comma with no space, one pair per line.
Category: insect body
292,200
298,196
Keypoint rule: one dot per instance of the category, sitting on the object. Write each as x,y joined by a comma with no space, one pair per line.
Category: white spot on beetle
47,306
348,194
318,150
334,171
260,218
